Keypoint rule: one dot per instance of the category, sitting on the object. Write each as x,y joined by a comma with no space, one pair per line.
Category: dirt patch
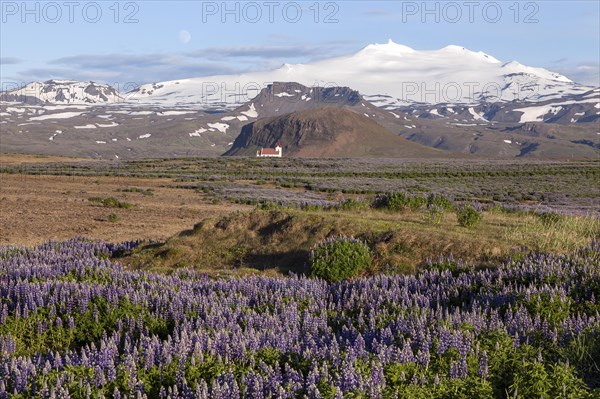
34,209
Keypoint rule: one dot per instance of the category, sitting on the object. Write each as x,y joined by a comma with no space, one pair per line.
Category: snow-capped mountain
389,75
63,92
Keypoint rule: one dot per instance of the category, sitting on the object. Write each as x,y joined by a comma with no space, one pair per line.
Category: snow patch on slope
476,116
251,113
222,127
198,132
536,114
62,115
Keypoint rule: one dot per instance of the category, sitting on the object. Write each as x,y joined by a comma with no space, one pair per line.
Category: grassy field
278,241
251,215
565,186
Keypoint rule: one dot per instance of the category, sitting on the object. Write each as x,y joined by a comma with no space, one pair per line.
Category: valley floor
186,211
34,209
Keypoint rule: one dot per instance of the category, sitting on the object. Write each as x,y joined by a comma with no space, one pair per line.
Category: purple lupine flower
483,365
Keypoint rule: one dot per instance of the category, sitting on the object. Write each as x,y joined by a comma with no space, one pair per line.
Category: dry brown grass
36,208
15,159
566,235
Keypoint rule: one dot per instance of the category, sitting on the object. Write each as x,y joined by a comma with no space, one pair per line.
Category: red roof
269,151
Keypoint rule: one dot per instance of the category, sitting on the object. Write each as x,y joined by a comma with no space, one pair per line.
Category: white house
276,152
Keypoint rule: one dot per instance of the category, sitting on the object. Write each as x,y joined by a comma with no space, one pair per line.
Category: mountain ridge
326,132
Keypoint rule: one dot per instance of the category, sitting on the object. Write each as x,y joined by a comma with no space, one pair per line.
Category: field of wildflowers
74,323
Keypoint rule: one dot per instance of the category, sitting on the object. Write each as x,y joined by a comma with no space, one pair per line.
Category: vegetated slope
279,240
505,140
326,132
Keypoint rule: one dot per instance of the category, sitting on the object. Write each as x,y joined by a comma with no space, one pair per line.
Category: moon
185,36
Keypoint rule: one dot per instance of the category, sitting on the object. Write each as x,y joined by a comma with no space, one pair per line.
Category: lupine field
74,323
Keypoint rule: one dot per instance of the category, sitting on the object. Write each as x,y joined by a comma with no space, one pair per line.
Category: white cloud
587,73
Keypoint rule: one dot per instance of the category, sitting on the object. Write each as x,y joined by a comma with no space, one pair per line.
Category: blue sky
130,43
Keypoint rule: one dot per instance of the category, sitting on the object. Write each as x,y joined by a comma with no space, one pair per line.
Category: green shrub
396,201
311,207
339,258
540,380
468,216
351,205
440,201
416,202
432,214
391,201
495,209
111,202
399,201
267,206
117,203
113,217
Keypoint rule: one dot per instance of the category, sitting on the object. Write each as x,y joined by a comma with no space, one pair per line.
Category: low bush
391,201
415,202
432,214
351,205
468,215
398,201
440,201
111,202
339,258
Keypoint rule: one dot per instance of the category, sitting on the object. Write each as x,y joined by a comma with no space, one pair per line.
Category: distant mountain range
63,92
452,100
